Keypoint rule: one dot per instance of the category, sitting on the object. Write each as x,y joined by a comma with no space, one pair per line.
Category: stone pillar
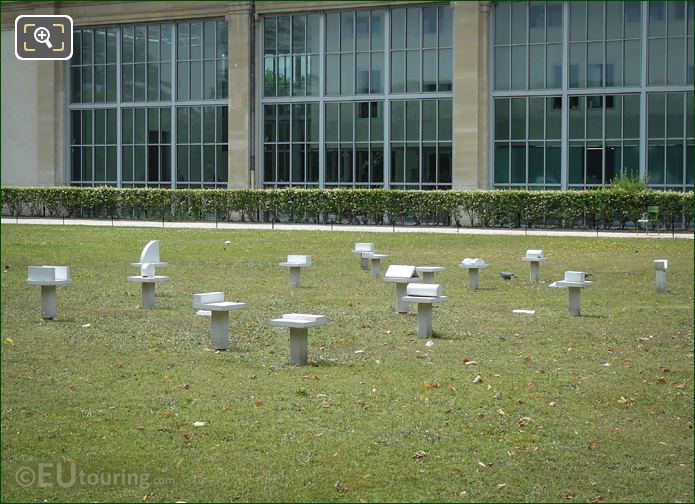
48,302
299,346
424,320
295,275
220,330
473,278
240,135
575,294
376,268
534,271
401,306
147,295
470,140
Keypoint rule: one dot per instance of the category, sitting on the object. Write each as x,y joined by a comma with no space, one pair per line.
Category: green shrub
618,205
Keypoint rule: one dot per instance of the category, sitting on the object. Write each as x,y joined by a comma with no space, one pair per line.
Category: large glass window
159,65
344,133
670,43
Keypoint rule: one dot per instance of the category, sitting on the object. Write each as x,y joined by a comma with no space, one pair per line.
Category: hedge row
592,208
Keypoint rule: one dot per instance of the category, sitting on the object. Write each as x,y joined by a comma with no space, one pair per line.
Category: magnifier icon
43,36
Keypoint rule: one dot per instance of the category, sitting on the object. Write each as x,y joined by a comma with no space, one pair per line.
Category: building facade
438,95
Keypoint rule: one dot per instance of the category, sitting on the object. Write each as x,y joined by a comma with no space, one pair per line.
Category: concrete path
346,228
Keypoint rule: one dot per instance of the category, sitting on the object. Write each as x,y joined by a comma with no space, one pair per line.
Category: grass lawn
592,408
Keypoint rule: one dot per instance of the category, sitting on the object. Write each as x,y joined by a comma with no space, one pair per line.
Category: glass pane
689,115
502,119
519,67
536,21
577,62
183,49
298,122
631,119
86,127
594,117
127,126
552,163
196,41
537,66
221,75
100,49
196,84
535,163
195,166
152,82
594,20
298,161
139,135
397,163
99,83
331,120
347,80
362,113
576,162
298,34
346,167
140,43
444,26
413,71
331,163
182,125
633,63
377,121
312,126
613,116
269,35
631,159
502,30
182,163
613,152
152,125
576,117
614,20
377,168
283,112
139,163
689,164
429,120
676,18
397,120
312,33
347,33
553,111
577,20
126,43
429,163
674,163
657,19
655,119
412,33
165,163
412,163
312,79
362,69
166,43
429,70
182,81
312,163
655,163
675,56
222,124
518,164
594,65
377,30
333,32
412,120
377,74
140,78
614,64
674,115
87,84
594,164
208,163
346,122
397,72
445,71
299,76
333,74
536,118
518,118
554,21
361,163
111,126
196,125
554,66
283,75
153,43
429,26
501,163
633,19
87,169
111,162
100,126
87,47
209,39
502,79
362,30
111,83
519,23
445,120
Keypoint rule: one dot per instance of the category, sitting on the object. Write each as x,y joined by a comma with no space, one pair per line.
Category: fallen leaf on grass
661,380
454,470
501,412
167,414
340,487
419,455
427,384
199,424
9,340
259,402
185,386
501,486
483,464
592,445
597,499
86,326
568,495
477,379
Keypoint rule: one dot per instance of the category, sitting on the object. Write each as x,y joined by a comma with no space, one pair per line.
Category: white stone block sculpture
295,263
401,275
574,282
535,257
148,280
473,265
219,309
48,277
376,262
424,295
428,272
361,248
660,266
150,255
299,324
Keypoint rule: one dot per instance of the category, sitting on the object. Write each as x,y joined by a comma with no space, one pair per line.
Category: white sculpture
299,324
149,260
424,295
219,308
361,248
574,281
376,262
534,257
401,275
48,277
473,265
660,266
295,263
428,272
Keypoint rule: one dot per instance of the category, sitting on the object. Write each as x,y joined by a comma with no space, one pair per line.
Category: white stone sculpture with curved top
424,295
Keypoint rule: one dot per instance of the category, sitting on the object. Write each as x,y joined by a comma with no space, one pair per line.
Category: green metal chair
649,218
